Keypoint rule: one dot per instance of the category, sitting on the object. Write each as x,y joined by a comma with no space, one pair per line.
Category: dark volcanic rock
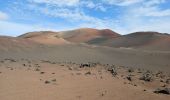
47,82
88,73
130,70
168,81
147,76
113,71
88,65
129,78
42,72
163,91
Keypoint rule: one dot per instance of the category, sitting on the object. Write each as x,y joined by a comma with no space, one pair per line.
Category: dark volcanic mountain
143,40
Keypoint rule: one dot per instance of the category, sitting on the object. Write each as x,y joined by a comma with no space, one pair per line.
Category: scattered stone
88,73
160,74
84,65
47,82
29,62
163,85
103,93
130,70
1,61
79,97
134,85
113,71
101,77
54,80
11,60
88,65
129,78
168,81
139,70
122,75
42,72
161,81
37,69
163,91
69,68
28,69
36,64
78,73
53,62
147,76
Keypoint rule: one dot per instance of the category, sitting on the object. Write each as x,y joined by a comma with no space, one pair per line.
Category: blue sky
123,16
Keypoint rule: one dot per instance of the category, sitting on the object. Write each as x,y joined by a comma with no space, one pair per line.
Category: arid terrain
85,64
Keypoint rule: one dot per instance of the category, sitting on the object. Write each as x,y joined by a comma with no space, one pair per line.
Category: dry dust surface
44,80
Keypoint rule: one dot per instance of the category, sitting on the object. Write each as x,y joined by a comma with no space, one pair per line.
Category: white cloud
122,2
88,4
92,5
155,25
138,15
100,8
150,8
158,13
3,16
148,17
75,14
57,2
152,11
154,2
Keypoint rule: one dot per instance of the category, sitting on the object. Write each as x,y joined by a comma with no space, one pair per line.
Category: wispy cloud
75,14
3,16
148,16
152,11
154,2
123,16
57,2
122,2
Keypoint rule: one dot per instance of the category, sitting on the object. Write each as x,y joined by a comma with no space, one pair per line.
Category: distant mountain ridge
104,37
144,40
140,49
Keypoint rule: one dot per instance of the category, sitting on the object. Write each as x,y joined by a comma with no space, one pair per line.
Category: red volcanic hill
45,37
85,35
